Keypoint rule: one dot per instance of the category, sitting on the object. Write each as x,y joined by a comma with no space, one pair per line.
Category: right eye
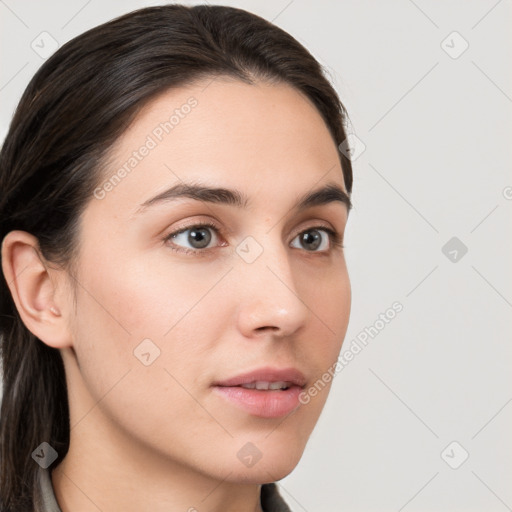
194,238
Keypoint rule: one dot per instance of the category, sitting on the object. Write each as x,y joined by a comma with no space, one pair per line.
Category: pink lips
241,391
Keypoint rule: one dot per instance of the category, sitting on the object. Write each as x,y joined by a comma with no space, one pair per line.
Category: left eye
314,240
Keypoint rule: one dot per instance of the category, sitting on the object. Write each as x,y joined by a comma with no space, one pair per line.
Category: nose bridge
269,297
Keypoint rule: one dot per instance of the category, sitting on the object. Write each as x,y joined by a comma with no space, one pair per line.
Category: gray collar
45,484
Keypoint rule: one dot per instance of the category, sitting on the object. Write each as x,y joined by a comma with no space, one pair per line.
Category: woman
174,285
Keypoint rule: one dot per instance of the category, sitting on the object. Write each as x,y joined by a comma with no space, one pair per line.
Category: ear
37,289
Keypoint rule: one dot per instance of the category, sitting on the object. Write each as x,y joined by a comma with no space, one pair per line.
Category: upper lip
291,375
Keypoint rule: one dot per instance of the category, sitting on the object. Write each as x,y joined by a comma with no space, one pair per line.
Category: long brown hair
75,107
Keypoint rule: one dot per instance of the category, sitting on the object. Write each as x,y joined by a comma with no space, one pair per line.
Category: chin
263,474
268,462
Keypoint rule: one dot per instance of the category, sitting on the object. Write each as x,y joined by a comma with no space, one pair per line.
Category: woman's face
170,332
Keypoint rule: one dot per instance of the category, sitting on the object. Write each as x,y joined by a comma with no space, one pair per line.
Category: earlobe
34,289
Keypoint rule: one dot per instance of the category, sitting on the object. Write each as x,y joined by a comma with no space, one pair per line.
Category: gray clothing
271,500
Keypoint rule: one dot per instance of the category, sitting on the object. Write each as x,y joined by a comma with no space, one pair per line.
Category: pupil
312,238
199,238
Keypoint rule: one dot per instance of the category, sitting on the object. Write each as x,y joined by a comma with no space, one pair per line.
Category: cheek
122,305
145,297
127,311
328,297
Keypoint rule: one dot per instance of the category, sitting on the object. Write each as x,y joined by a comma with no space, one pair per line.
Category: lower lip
263,403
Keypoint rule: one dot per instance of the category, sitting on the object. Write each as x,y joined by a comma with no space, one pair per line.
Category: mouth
266,392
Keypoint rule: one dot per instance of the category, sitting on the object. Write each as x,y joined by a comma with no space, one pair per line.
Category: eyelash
335,238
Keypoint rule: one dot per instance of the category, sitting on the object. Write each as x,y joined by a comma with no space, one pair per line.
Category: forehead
260,138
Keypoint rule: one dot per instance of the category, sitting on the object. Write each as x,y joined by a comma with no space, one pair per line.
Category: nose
269,301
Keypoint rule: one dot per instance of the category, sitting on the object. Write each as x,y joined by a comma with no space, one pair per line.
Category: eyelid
314,225
196,224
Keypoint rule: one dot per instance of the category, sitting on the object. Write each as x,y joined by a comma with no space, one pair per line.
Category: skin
157,437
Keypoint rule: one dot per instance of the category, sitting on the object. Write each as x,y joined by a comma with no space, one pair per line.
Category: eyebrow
218,195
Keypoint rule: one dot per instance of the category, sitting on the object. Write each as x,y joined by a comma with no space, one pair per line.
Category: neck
96,475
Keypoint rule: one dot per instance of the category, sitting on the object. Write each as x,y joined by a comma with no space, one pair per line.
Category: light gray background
436,166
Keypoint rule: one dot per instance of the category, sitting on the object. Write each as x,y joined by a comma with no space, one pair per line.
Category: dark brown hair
75,107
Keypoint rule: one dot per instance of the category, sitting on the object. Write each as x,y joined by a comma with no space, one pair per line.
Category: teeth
263,385
278,385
